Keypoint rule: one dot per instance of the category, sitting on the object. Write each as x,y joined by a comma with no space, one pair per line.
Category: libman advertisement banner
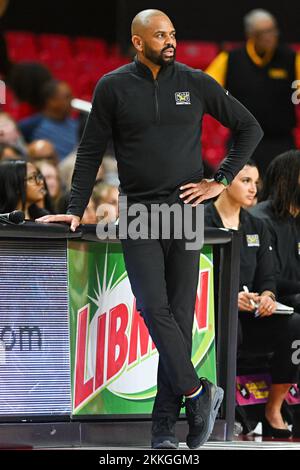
113,359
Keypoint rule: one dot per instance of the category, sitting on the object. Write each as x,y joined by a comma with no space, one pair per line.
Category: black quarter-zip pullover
156,129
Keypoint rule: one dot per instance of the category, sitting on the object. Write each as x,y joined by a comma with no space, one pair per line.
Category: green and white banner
113,358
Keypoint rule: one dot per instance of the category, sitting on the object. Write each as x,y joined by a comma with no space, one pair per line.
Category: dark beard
158,59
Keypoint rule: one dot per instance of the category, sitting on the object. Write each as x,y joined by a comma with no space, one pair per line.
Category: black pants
164,278
273,334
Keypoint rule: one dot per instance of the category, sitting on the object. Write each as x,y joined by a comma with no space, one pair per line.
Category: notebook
283,309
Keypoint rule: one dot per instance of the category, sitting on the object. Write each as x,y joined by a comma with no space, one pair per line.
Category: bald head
153,37
42,150
143,20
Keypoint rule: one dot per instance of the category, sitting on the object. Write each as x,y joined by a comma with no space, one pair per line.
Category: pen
254,305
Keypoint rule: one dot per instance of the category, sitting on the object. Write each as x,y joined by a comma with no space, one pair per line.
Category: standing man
260,75
153,108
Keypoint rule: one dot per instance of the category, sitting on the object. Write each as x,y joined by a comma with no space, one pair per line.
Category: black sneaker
201,413
163,433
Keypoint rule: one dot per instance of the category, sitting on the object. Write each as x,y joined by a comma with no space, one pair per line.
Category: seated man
262,330
55,122
42,150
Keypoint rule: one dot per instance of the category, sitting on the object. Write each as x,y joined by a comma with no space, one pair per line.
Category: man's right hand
72,220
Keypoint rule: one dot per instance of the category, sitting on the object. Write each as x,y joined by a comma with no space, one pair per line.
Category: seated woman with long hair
263,331
280,210
22,187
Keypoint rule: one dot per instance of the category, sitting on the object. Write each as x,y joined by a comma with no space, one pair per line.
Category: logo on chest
252,240
182,97
278,73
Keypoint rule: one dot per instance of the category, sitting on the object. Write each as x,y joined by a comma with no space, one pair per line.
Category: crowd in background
38,153
43,148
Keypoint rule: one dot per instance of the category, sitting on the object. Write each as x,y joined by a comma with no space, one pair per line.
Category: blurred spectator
52,180
262,331
106,194
106,198
66,168
10,152
110,167
280,208
21,188
10,134
27,80
107,171
3,6
42,150
260,75
5,63
55,122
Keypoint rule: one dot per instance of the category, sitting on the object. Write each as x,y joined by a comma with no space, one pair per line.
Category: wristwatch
221,178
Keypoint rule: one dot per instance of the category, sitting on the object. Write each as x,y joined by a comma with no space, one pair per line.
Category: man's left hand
199,192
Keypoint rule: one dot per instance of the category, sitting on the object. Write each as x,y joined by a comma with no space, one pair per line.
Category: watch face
221,178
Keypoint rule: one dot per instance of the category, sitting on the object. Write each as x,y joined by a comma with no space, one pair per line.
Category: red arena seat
90,46
21,45
54,42
230,45
196,54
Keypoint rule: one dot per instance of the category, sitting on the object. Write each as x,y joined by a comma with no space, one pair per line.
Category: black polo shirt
256,262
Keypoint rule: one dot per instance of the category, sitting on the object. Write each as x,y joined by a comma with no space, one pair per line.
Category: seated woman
22,187
262,330
280,210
